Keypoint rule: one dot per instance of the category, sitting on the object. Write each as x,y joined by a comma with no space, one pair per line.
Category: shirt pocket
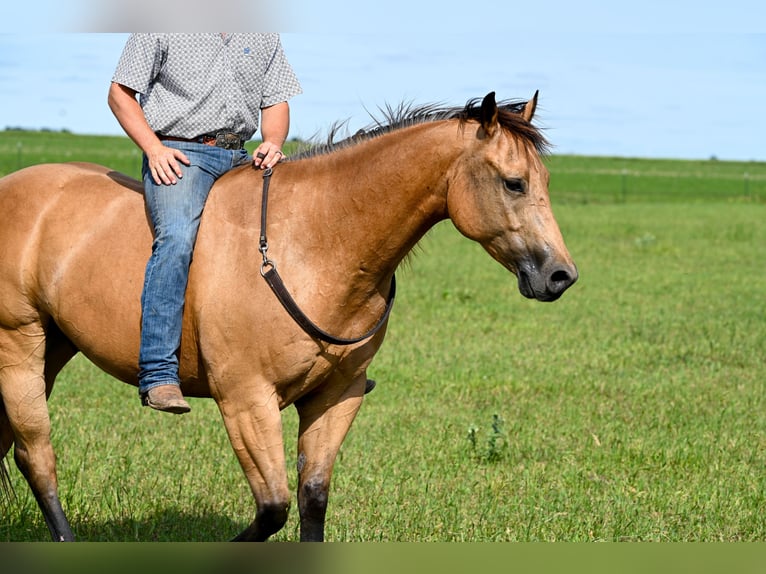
249,71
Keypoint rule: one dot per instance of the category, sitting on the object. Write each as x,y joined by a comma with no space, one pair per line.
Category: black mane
406,115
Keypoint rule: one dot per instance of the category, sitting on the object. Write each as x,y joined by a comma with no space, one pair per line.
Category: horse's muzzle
547,282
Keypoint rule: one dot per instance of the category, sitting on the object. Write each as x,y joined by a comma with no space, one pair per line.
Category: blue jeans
174,212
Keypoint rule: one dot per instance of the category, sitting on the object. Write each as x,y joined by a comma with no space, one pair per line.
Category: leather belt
225,140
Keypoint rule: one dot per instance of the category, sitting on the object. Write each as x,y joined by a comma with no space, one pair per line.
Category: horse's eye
514,185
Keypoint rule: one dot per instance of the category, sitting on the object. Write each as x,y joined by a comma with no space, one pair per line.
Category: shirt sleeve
140,62
280,82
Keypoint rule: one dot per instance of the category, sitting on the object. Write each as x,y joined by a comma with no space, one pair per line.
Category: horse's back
42,179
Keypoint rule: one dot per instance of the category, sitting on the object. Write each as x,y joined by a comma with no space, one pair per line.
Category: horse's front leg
325,418
254,425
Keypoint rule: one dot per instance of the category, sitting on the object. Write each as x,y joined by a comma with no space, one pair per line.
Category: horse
341,217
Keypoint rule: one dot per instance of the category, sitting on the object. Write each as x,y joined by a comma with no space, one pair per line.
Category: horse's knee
313,496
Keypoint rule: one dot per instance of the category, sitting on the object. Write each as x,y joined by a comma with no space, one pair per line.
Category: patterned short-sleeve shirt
195,84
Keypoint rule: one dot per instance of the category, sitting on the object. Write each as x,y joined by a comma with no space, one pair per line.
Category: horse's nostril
561,279
560,276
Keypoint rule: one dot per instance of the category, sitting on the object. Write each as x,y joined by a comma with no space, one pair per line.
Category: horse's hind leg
24,394
58,353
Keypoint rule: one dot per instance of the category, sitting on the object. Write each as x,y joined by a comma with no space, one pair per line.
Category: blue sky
655,79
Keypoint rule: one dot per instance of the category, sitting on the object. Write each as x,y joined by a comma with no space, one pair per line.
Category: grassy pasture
19,149
630,410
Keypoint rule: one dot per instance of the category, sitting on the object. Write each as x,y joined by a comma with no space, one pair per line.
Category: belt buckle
227,140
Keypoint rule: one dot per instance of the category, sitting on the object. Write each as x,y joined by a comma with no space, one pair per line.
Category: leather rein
270,274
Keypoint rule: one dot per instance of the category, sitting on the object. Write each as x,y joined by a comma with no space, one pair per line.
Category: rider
200,97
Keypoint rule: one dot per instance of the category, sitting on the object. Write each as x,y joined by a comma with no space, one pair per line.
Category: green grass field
630,410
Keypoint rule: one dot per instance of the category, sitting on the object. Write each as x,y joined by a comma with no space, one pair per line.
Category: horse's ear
489,114
529,108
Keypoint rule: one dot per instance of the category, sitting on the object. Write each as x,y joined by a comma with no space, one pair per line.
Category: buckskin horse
341,217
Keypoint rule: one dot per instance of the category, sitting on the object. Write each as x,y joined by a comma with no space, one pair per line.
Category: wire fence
719,182
574,179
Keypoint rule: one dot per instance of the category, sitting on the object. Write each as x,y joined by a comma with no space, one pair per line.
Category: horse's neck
381,196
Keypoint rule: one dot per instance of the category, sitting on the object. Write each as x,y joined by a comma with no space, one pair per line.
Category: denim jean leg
175,212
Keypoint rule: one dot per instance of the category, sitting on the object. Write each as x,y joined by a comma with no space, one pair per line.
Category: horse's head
498,196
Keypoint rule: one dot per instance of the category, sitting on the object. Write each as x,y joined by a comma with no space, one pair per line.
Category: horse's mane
406,114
